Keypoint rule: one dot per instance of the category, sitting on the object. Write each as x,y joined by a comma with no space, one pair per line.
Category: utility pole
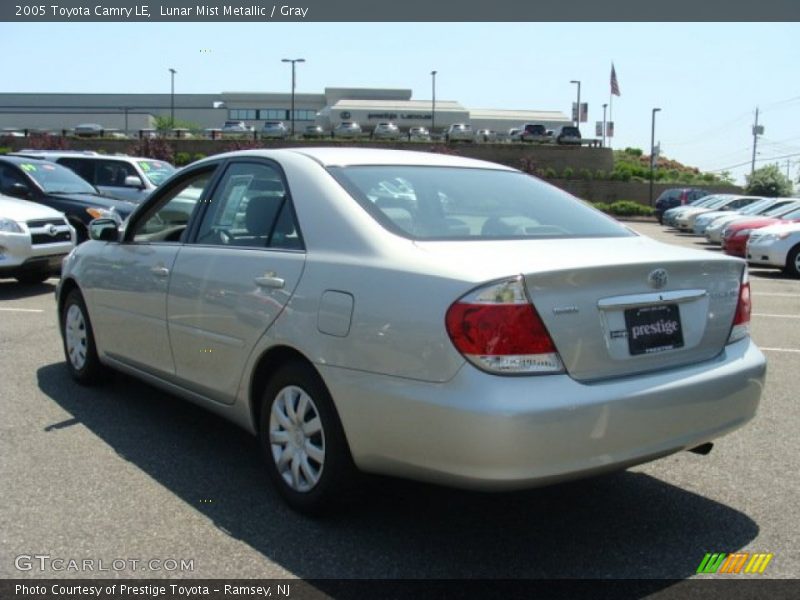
756,131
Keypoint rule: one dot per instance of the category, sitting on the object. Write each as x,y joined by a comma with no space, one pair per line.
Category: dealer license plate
653,329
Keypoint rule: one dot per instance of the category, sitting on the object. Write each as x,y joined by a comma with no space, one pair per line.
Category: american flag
614,82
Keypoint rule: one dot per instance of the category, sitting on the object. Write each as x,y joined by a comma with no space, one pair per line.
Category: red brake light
498,330
741,320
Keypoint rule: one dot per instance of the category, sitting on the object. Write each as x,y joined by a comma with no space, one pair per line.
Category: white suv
130,178
459,132
33,240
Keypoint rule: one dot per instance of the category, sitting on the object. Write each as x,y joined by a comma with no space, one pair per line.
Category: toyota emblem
52,230
658,278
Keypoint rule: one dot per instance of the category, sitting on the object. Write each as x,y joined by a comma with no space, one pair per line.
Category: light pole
652,150
604,125
293,61
578,110
172,99
433,101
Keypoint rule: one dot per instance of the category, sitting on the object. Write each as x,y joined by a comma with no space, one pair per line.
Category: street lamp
652,150
604,125
293,61
172,99
433,101
578,110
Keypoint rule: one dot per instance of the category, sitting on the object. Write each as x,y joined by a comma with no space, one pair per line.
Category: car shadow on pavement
11,289
624,525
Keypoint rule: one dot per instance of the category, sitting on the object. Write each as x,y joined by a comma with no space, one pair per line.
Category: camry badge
658,279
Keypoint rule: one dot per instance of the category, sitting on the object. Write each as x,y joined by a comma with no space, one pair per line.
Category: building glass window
242,114
273,114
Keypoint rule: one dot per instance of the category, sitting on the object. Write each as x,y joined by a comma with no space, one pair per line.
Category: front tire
308,458
78,338
793,262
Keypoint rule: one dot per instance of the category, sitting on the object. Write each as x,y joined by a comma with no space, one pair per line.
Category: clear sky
706,78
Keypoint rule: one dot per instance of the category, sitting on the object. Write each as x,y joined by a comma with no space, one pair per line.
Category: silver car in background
413,314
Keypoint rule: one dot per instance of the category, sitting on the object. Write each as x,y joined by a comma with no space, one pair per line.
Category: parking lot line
777,295
777,316
29,310
793,350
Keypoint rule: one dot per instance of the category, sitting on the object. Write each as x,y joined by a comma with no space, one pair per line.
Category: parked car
274,130
676,197
130,178
419,134
715,229
670,216
459,132
485,135
569,134
513,134
711,202
732,202
386,131
347,129
353,332
88,130
313,131
58,187
776,246
33,240
735,235
535,132
236,127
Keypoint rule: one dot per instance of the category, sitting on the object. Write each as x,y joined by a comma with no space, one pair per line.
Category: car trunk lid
614,306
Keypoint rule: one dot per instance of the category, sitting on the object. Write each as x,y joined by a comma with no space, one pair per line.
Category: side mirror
19,190
104,230
133,181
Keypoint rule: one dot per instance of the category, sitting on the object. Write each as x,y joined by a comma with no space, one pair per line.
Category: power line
766,158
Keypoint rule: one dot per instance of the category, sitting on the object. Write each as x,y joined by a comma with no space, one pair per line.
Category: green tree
768,181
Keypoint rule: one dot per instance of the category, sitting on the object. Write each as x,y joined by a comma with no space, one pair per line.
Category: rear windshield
452,203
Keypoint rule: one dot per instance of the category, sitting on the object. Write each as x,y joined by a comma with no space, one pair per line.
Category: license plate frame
653,329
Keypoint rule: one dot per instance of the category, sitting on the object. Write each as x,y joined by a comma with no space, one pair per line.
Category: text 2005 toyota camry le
413,314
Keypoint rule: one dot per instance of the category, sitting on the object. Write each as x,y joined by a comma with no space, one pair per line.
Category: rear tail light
741,320
498,330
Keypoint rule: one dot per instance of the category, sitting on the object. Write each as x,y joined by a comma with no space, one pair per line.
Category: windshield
779,211
446,203
795,214
55,179
755,207
156,171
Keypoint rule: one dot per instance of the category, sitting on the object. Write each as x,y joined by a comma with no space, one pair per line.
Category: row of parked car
764,231
457,132
49,198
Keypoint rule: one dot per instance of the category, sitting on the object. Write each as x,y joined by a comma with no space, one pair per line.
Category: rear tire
307,455
793,262
78,340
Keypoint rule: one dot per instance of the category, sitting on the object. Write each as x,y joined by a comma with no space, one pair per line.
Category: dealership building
366,106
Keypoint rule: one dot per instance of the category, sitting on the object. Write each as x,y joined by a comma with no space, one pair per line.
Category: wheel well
67,285
272,360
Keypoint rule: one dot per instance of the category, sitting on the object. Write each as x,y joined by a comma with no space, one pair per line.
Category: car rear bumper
492,432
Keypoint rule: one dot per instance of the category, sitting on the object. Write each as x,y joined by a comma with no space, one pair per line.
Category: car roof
340,157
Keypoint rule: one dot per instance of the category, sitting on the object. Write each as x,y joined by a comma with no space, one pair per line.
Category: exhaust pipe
702,449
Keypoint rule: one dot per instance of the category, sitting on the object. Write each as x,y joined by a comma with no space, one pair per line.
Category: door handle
160,271
269,280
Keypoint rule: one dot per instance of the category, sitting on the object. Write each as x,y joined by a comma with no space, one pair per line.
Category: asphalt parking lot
126,472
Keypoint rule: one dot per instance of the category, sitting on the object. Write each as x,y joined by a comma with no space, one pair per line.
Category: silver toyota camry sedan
412,314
